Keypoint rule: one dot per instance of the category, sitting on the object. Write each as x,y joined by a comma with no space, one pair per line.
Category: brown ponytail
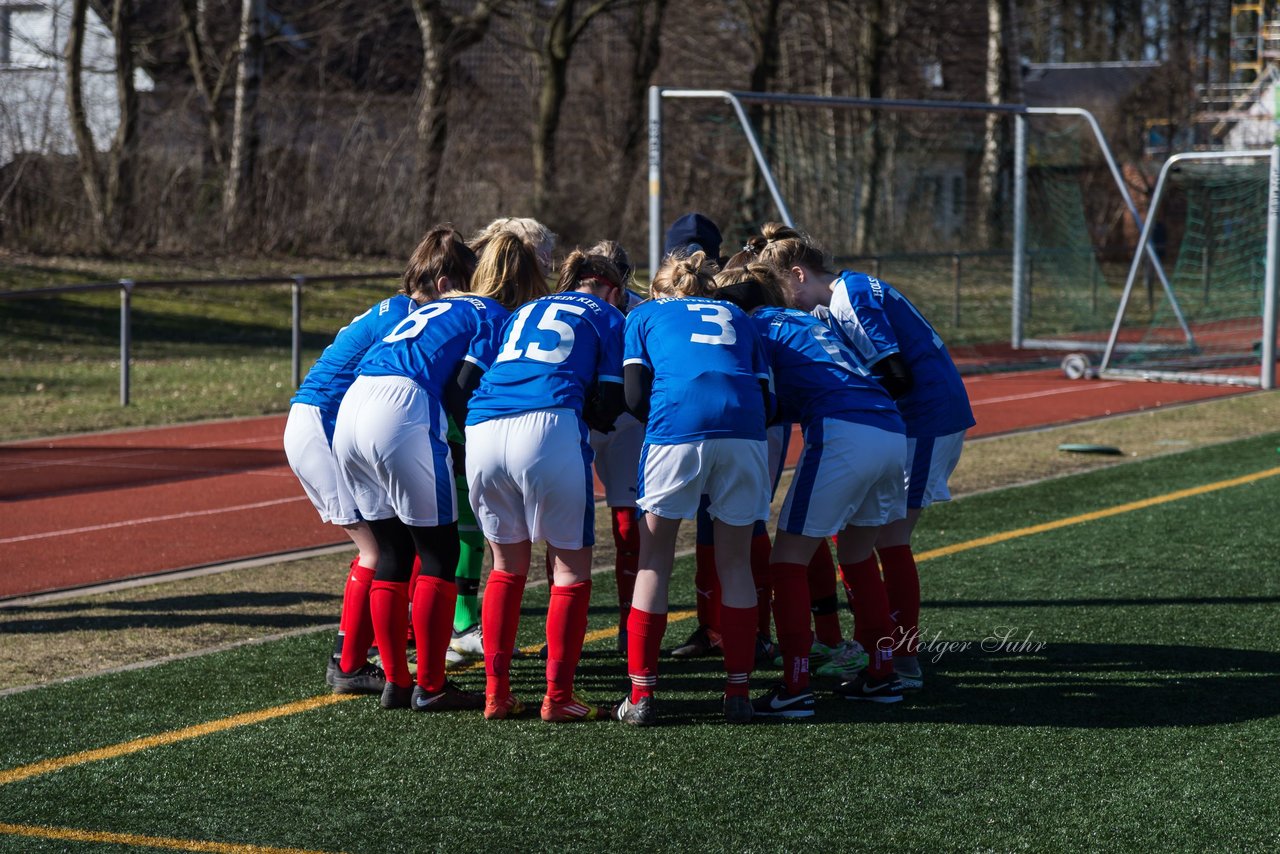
441,252
784,248
579,268
684,276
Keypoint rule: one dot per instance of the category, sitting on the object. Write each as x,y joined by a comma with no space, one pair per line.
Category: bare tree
210,72
109,192
245,136
444,37
762,23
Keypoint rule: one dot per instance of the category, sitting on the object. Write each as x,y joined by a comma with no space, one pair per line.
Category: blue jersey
707,363
335,370
553,350
876,321
816,376
429,344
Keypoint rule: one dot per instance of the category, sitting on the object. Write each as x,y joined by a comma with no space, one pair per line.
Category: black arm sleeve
637,384
604,406
894,374
457,394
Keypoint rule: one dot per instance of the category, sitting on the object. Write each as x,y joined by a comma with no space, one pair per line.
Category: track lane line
1031,395
150,519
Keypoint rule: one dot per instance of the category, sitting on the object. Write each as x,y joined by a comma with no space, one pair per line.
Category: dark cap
691,233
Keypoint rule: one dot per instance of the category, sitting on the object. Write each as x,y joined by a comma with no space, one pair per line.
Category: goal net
1210,220
1004,237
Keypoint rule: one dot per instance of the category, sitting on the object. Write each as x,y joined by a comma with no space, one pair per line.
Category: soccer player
441,260
392,451
466,640
891,337
695,373
848,481
529,470
617,458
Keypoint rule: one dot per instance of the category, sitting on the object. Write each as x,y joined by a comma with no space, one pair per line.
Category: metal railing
297,283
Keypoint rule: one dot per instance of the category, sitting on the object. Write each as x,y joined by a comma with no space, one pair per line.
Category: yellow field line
73,835
1097,514
48,766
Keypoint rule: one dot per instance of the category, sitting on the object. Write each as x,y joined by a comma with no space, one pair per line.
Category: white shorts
930,462
307,448
848,474
530,479
733,473
392,452
779,438
618,460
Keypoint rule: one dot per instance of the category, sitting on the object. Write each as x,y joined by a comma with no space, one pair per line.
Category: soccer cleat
640,713
863,687
453,659
819,654
911,677
450,698
576,710
845,661
395,696
778,703
766,651
468,643
496,709
331,670
737,709
704,642
369,679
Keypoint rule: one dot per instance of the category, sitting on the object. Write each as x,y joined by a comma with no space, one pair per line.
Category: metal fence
297,283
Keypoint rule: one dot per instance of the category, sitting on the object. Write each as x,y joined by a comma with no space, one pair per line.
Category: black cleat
330,670
369,679
641,713
704,642
778,703
863,687
450,698
737,709
396,697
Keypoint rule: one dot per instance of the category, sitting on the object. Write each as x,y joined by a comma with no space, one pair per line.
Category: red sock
644,640
433,603
356,623
389,606
761,548
499,619
413,586
902,583
823,603
738,633
626,539
870,604
566,627
791,611
707,584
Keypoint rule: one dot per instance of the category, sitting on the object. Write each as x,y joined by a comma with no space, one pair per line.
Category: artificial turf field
1142,715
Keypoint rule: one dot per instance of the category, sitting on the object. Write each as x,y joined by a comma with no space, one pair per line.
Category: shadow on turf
170,612
1104,686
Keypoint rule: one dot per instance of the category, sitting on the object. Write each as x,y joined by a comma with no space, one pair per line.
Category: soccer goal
1009,226
1218,323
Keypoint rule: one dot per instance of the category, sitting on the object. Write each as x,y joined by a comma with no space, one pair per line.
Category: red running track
93,508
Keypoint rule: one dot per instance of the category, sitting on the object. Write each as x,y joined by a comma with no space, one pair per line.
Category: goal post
1226,270
1054,169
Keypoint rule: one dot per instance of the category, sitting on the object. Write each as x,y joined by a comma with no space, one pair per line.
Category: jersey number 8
412,326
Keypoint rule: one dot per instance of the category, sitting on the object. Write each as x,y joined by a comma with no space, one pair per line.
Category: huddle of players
703,368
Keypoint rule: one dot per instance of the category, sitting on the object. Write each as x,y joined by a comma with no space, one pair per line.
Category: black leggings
398,543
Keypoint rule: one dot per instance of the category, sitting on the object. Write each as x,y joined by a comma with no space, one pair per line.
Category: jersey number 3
720,316
547,323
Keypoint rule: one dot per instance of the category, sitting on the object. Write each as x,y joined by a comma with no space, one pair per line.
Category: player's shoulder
485,307
862,287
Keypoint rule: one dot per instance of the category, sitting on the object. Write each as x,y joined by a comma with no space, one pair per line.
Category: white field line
1034,394
150,519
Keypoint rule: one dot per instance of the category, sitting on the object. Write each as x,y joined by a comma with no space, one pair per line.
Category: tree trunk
989,168
90,173
122,160
210,83
645,36
237,195
433,103
763,19
555,64
873,39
